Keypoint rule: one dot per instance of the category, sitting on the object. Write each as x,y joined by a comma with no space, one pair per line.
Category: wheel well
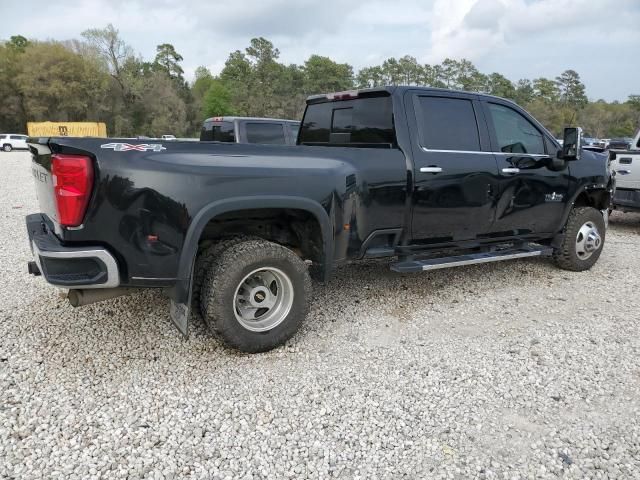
294,228
599,199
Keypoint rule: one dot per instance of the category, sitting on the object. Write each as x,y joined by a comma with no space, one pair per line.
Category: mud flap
180,316
180,306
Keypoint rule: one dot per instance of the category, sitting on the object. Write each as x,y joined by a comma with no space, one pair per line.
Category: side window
448,124
514,133
270,133
218,132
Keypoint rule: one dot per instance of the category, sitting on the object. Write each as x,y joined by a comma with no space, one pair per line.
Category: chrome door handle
510,170
430,169
624,172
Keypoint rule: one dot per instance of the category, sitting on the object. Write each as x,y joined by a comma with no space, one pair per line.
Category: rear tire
583,240
203,263
7,147
255,295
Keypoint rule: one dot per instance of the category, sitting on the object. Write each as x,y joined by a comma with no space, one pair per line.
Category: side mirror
572,141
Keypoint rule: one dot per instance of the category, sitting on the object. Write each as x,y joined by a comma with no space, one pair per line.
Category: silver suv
11,141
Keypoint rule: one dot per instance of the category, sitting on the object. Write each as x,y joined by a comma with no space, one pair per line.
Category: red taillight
72,181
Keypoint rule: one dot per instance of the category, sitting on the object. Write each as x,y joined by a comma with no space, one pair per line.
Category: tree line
99,77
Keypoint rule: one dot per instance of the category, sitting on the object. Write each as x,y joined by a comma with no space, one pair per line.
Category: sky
517,38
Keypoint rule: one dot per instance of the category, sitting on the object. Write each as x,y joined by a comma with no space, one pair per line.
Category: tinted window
449,124
359,122
514,133
295,128
272,133
17,137
218,131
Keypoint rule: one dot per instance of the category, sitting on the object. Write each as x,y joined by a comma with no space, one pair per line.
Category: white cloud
520,38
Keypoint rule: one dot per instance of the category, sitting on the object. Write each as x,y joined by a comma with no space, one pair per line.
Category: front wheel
583,240
255,295
7,148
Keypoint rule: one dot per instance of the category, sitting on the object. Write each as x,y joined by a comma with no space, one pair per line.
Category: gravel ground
508,370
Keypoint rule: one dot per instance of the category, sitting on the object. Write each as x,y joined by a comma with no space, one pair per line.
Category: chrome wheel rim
588,241
263,299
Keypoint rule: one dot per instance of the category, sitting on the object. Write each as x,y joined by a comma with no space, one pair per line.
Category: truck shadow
361,298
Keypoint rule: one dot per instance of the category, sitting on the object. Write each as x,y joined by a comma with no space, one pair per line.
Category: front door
455,171
533,183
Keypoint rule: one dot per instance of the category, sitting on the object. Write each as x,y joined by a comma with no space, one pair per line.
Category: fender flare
180,293
569,206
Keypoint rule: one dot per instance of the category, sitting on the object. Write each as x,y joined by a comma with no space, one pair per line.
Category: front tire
7,148
255,295
583,240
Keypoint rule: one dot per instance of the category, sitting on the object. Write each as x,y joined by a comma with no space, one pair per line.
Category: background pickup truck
432,178
626,164
270,131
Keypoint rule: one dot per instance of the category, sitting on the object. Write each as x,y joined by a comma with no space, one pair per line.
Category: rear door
455,171
533,183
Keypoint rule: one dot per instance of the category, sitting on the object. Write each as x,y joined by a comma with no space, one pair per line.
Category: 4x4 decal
142,147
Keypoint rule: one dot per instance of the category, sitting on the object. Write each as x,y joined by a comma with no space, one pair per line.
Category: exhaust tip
32,268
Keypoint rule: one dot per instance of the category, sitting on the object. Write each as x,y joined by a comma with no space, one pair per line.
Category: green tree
58,84
391,72
500,86
217,100
322,75
524,91
202,82
410,70
571,89
168,61
18,43
370,77
546,89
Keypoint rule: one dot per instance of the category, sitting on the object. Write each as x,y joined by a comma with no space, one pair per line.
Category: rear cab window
365,121
269,133
218,131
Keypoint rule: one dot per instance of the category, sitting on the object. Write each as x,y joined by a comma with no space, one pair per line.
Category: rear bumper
70,267
625,199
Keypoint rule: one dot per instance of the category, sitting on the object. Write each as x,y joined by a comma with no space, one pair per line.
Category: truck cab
268,131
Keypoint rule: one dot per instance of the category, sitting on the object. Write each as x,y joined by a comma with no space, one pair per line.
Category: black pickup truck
430,178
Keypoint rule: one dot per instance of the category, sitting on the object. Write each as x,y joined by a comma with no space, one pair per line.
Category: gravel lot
507,370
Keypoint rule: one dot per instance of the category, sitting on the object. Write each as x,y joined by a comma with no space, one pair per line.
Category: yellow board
67,129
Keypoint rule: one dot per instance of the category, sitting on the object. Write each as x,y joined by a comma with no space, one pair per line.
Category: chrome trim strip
113,276
474,261
155,278
431,169
428,150
425,149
